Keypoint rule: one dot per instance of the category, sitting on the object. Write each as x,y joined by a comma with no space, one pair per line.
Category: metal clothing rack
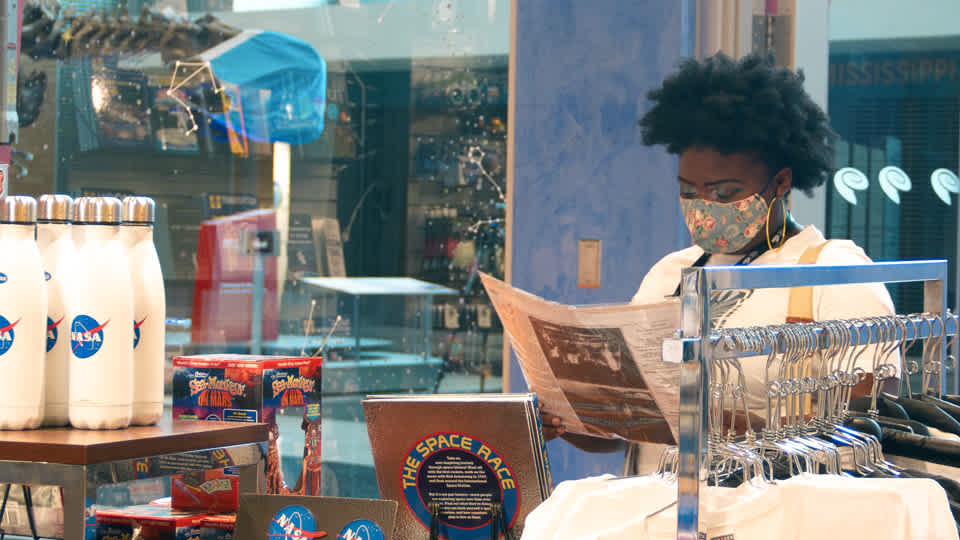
698,348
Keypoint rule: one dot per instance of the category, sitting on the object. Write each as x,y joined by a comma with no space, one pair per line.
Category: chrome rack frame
697,287
917,327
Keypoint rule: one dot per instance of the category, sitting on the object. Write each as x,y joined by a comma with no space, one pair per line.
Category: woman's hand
552,427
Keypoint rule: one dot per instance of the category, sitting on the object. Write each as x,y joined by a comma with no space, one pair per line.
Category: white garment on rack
544,520
869,508
744,513
821,507
762,307
612,504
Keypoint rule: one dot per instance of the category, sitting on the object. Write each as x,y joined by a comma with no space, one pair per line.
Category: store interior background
550,92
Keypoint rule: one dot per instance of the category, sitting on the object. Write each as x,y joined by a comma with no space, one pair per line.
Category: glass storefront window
893,100
406,179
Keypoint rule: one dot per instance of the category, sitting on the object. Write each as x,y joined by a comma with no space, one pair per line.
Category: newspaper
598,368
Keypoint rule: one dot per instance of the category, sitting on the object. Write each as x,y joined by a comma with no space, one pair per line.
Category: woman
747,135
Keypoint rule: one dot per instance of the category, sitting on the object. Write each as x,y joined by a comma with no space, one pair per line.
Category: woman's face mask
724,227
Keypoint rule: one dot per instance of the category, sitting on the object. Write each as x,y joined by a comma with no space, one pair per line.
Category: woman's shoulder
662,279
847,301
843,252
835,251
682,258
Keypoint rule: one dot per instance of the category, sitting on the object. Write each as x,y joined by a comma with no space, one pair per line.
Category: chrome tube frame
697,287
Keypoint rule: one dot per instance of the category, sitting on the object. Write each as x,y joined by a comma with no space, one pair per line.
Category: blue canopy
277,86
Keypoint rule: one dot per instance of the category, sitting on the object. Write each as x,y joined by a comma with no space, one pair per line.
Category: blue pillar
580,170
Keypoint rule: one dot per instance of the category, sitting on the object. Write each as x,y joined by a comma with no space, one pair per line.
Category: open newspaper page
598,368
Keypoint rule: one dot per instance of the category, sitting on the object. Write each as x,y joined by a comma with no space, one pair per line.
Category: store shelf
80,460
86,447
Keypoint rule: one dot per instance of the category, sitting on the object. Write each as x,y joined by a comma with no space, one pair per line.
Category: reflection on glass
370,135
892,102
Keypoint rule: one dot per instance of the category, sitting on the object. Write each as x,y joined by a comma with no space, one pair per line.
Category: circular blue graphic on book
462,478
293,523
361,529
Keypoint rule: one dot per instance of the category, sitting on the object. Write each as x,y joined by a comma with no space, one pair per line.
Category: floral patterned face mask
724,227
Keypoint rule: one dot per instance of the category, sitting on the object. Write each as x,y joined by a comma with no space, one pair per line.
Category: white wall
811,54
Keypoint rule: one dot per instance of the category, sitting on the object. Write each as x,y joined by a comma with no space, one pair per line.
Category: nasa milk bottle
23,316
100,310
56,250
149,309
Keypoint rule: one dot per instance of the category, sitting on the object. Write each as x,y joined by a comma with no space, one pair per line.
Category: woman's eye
688,192
726,194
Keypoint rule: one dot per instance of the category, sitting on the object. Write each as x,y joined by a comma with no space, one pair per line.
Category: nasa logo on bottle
294,522
3,278
52,332
136,332
47,276
6,334
361,529
86,336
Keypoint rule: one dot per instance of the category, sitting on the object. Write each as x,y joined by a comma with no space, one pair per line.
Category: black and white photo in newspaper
598,368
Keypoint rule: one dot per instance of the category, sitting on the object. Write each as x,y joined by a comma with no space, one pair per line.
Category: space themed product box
244,388
248,388
210,491
154,522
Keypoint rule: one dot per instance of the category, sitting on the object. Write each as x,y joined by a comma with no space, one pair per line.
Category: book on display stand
461,466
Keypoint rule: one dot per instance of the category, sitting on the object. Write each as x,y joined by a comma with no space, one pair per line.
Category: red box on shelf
208,491
155,522
223,287
218,527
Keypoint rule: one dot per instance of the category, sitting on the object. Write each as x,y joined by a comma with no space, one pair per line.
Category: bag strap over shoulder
800,304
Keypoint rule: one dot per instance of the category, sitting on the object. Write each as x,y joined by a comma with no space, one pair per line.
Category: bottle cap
55,208
139,210
105,210
18,209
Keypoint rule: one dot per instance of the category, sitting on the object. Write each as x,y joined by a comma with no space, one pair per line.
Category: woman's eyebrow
712,182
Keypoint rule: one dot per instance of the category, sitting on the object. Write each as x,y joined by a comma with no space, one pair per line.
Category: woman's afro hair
748,106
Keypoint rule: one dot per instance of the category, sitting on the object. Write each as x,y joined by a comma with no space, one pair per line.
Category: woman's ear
784,181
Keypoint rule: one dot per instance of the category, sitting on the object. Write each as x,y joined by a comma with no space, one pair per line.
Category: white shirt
613,503
762,307
811,506
544,520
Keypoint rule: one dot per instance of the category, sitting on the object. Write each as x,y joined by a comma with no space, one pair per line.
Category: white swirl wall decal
944,182
892,181
847,181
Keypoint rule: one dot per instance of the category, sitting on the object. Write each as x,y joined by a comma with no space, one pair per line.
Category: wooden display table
81,460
